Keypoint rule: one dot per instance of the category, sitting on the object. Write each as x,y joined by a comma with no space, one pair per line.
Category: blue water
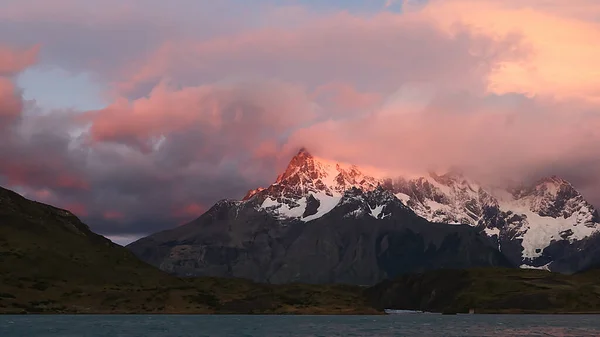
267,326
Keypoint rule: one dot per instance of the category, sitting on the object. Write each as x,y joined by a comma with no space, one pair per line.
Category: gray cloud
216,108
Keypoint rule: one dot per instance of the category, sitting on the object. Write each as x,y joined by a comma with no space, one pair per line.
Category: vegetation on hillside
490,290
50,262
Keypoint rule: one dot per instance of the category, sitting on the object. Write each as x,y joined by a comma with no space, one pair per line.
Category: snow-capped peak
306,173
545,186
310,187
302,165
529,218
536,215
553,197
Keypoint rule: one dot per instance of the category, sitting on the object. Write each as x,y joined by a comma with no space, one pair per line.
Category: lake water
267,326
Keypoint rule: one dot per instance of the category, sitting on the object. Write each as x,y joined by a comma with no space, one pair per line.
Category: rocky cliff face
544,225
329,222
318,223
366,237
536,226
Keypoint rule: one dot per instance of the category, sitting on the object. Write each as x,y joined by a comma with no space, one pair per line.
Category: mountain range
51,262
546,225
322,222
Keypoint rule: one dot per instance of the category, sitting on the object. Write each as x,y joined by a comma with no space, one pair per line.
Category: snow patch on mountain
376,212
285,210
492,232
534,216
402,197
549,210
309,179
327,203
545,267
537,231
297,209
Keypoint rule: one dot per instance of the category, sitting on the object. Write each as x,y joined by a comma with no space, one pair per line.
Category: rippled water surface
249,326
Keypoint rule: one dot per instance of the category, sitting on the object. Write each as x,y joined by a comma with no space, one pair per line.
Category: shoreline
590,313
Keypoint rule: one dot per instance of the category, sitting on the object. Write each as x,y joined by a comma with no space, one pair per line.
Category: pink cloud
113,215
340,47
190,210
266,149
43,194
11,104
52,197
30,171
346,97
13,61
73,182
78,209
475,133
562,63
242,111
486,84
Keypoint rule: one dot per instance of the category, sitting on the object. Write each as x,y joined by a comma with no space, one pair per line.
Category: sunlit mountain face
316,205
144,131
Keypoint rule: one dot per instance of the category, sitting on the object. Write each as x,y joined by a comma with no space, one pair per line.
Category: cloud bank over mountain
204,101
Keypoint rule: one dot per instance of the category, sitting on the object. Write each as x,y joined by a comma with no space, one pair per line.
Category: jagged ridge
522,221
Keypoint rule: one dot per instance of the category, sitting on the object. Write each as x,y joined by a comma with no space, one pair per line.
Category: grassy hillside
490,290
51,262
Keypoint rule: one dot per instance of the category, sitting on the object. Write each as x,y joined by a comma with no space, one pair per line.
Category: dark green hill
43,244
490,290
51,262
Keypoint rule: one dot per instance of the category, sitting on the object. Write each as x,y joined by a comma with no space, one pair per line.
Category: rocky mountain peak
311,187
555,197
306,174
523,220
251,193
554,187
548,186
555,179
302,167
352,193
454,175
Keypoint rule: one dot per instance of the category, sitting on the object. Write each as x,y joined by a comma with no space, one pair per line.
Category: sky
138,115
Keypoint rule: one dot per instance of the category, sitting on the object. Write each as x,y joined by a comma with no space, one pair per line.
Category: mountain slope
547,225
544,225
489,290
53,243
318,223
537,226
51,262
